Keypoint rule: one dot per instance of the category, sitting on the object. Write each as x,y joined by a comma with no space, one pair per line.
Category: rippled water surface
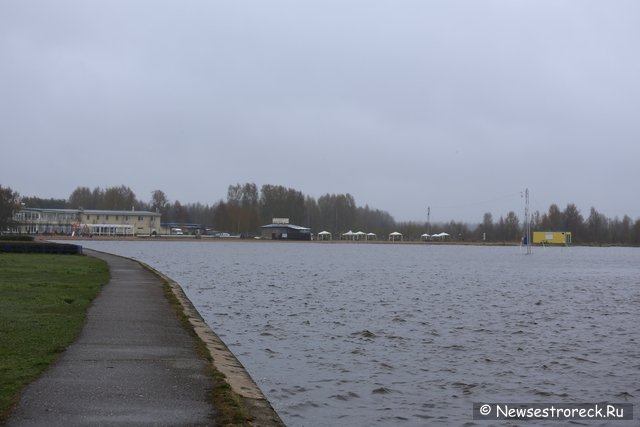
382,334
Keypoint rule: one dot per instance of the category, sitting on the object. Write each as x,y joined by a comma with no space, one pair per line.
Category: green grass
43,303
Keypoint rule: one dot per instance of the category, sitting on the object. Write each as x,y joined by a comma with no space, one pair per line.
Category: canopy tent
349,235
425,236
372,236
359,235
324,235
395,236
441,235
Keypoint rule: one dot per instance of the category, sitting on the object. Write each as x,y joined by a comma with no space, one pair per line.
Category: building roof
50,210
113,212
289,226
92,211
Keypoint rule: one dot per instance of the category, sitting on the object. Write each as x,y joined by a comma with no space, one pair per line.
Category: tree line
247,207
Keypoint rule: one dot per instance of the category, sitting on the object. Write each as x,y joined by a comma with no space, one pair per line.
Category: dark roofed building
285,232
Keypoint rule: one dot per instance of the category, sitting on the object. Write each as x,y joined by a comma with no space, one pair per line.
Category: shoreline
222,359
193,239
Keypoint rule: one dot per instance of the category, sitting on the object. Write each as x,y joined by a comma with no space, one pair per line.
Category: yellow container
552,237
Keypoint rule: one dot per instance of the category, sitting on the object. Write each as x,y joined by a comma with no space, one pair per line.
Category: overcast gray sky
457,105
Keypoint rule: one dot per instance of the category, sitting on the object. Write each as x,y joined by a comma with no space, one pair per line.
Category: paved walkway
133,364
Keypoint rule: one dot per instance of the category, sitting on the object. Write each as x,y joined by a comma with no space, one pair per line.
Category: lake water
412,335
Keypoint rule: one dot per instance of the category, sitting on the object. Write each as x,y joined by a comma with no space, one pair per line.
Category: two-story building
86,222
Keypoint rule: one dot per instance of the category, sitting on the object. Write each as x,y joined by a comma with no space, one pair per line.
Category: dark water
412,335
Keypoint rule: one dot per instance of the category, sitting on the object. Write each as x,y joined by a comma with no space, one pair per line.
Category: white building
86,222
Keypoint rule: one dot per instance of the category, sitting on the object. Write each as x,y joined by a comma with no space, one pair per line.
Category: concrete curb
224,360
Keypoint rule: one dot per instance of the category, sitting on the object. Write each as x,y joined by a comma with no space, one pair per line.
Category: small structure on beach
395,236
358,236
281,230
324,235
349,235
440,236
552,237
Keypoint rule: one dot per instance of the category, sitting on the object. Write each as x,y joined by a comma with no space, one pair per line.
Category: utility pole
429,219
527,225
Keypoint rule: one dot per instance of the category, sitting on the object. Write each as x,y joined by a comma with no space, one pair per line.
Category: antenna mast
527,222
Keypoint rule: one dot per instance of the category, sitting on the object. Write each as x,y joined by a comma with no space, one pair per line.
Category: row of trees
9,201
595,229
246,208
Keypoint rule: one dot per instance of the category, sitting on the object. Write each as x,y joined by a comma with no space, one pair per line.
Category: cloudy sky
456,105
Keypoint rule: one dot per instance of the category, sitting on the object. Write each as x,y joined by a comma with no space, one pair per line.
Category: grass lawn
43,302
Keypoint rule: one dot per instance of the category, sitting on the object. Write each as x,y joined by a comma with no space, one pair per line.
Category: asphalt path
133,364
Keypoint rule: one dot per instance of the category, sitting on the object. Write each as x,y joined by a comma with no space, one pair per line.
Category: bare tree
159,201
119,198
82,197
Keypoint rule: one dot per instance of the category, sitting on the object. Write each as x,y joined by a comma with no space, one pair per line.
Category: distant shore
193,239
189,238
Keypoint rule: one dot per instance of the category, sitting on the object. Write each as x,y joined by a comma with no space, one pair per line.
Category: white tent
425,236
441,235
349,235
395,236
372,236
324,235
360,235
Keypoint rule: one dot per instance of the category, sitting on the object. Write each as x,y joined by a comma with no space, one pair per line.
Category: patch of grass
43,304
